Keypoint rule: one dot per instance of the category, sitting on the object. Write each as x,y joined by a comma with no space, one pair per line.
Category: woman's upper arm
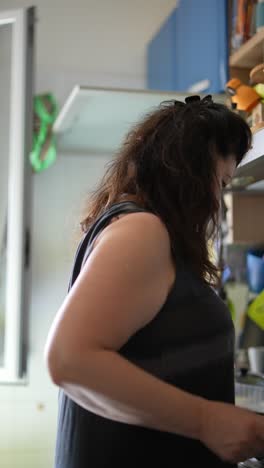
121,287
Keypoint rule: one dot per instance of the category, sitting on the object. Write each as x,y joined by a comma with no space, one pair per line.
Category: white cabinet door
16,124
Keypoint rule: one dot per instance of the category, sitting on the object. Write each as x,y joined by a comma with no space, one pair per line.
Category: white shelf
96,120
252,167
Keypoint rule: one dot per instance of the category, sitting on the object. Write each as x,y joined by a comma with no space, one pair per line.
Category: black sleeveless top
189,344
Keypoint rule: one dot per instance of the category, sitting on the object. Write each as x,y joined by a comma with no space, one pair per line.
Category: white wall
92,42
96,42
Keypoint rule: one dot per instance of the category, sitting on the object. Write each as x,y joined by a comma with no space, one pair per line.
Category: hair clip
191,99
208,99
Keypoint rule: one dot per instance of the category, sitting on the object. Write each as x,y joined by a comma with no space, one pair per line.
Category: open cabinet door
16,128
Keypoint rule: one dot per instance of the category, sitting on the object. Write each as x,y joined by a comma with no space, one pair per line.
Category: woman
142,347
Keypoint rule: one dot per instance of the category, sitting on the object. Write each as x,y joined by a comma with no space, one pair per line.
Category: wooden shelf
249,54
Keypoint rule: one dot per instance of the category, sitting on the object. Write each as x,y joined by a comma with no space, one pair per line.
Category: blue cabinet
190,47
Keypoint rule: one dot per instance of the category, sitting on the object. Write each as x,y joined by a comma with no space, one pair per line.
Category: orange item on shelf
245,97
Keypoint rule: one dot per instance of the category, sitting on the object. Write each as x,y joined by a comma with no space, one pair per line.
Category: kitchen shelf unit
246,208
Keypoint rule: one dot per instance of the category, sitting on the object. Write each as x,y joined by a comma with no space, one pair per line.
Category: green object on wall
44,152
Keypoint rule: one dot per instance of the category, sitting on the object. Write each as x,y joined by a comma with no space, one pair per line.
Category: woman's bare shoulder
143,228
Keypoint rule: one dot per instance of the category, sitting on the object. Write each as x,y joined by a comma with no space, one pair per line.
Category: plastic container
255,270
256,359
250,397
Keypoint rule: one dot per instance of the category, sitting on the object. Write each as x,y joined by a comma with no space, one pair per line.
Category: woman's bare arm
121,288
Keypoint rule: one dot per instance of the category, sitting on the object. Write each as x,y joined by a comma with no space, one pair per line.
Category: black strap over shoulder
83,248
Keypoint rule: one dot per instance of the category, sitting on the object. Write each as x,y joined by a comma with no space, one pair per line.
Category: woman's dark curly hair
168,161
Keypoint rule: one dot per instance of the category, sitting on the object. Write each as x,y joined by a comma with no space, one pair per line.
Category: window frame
19,194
